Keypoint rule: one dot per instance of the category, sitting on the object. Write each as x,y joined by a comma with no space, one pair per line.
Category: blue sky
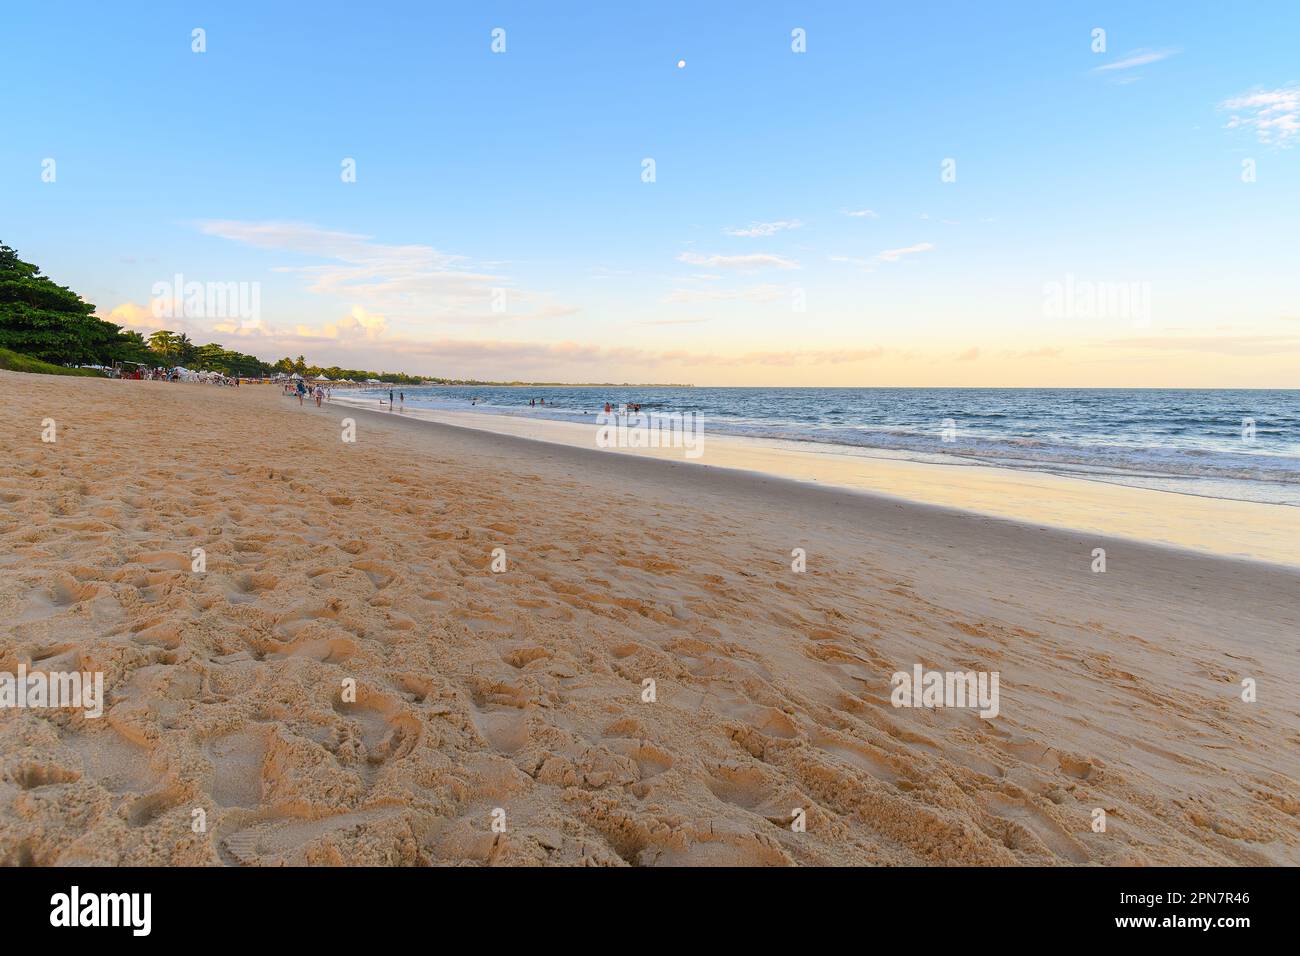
522,170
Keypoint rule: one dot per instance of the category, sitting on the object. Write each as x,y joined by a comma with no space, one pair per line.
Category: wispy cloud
885,255
1044,352
757,229
746,263
416,281
1135,59
361,267
894,255
862,213
1218,344
364,341
760,293
1274,115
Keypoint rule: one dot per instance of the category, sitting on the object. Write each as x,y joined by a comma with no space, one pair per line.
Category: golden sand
522,692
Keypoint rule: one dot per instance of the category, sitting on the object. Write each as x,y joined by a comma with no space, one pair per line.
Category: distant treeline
53,324
50,322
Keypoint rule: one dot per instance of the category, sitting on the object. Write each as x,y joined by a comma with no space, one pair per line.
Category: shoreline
1221,526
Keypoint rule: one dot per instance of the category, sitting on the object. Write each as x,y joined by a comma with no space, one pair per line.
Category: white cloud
868,265
894,255
764,228
1221,344
141,318
760,293
132,316
746,263
359,325
1135,59
1274,115
862,213
414,281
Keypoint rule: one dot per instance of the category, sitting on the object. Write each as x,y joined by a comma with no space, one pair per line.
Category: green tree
211,358
131,347
186,351
163,344
48,321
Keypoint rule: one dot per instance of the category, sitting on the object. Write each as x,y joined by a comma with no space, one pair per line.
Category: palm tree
165,344
185,350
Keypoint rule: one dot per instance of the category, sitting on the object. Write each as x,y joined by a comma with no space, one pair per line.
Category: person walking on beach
390,399
401,397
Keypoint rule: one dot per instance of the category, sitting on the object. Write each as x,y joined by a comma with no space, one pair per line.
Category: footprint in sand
285,841
157,633
327,650
523,656
1029,829
290,623
742,786
163,560
378,726
380,575
112,761
236,760
145,810
248,588
506,732
861,756
650,759
58,597
32,776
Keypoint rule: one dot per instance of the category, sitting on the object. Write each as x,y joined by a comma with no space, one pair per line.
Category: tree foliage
49,322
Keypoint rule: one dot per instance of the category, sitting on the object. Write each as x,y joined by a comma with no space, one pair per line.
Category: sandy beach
518,698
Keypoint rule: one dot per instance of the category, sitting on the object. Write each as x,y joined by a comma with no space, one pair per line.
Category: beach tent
295,375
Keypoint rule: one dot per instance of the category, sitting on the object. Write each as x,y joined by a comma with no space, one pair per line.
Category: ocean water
1182,440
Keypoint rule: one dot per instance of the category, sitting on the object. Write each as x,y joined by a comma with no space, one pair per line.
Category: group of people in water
609,408
398,399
